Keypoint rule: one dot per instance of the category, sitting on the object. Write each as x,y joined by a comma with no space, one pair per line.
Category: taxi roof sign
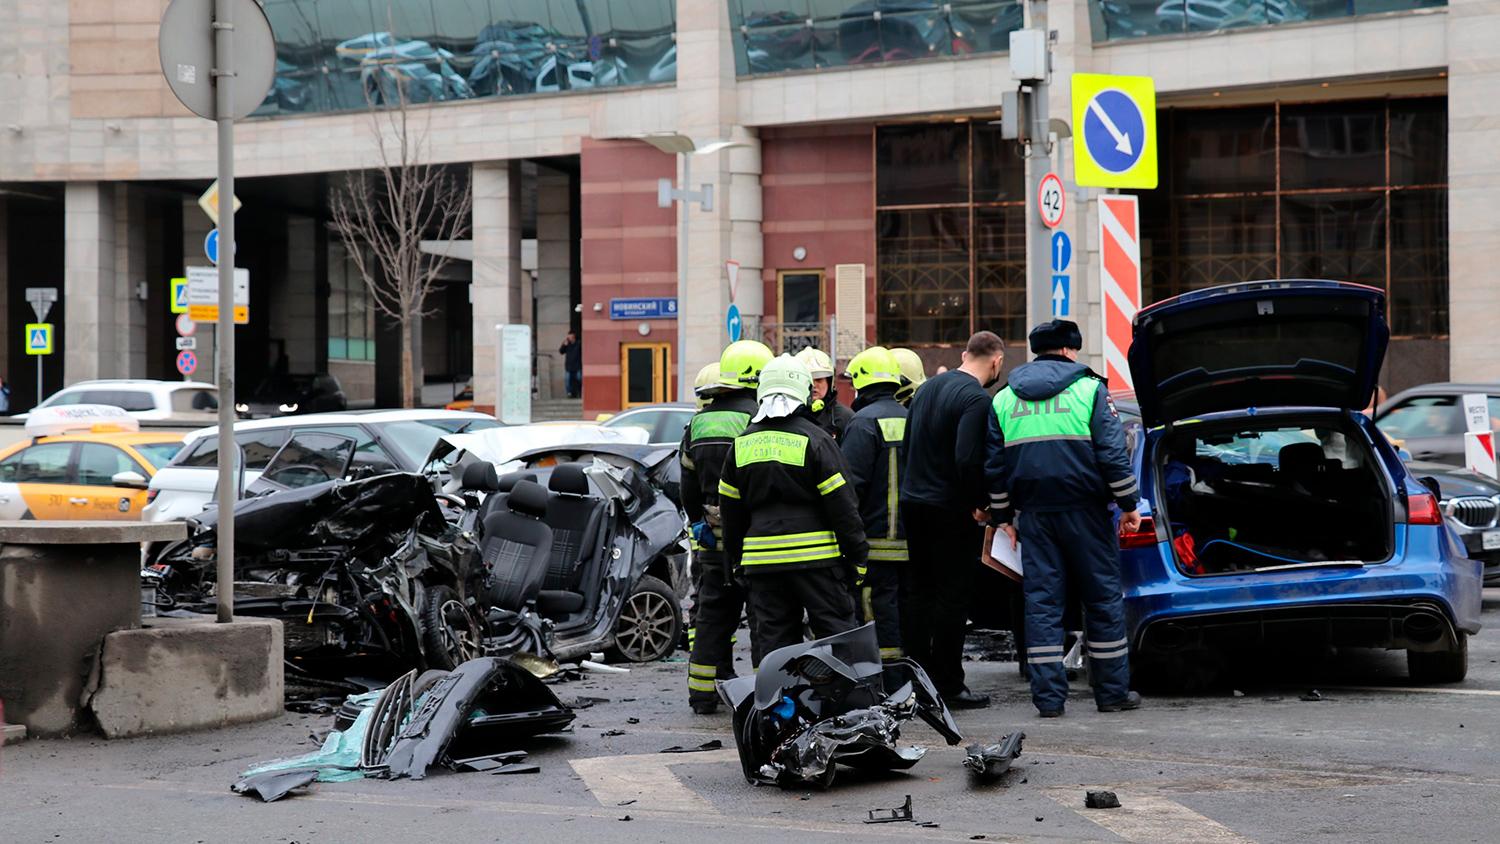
79,418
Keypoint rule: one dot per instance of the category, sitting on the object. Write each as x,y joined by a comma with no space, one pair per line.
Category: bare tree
383,215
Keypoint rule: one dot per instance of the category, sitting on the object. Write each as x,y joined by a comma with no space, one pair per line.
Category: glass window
46,463
1339,236
1117,19
195,400
414,439
158,454
999,170
923,256
1000,269
1424,416
130,400
310,458
1333,145
922,165
1419,142
368,454
99,463
351,318
258,448
1419,263
1222,150
801,298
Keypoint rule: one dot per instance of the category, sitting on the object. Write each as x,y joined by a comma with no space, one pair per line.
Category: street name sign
654,307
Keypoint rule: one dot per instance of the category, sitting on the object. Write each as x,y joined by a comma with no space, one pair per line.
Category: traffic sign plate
186,343
1051,201
39,338
1115,118
209,202
1061,295
203,294
1062,251
185,325
185,46
734,323
187,362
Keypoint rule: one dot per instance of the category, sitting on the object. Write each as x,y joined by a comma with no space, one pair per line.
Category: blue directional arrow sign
1061,294
1062,251
211,246
1114,120
1114,130
734,324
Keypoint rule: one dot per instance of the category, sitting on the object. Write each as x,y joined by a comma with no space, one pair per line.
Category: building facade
866,196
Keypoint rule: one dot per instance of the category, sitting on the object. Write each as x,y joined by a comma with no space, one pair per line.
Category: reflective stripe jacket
786,499
704,444
1055,443
877,459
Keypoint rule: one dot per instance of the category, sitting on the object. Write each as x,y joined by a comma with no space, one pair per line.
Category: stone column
496,290
554,253
1473,179
707,108
90,336
5,368
130,272
294,316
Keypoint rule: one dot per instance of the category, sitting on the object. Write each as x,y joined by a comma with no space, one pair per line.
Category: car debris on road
989,763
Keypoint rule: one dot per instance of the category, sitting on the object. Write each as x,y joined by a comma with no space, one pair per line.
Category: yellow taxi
81,462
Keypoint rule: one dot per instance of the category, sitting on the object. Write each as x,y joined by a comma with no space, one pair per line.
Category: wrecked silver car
830,702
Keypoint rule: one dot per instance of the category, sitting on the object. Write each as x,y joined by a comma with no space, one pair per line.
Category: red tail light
151,495
1422,509
1144,537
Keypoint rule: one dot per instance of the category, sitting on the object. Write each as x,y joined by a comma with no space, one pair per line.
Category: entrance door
645,373
800,304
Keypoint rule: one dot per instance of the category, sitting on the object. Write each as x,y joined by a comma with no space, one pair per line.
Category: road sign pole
684,386
223,75
1038,165
39,391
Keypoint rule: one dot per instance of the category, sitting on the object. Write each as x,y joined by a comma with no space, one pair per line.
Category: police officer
716,612
872,445
913,373
826,408
1056,455
791,522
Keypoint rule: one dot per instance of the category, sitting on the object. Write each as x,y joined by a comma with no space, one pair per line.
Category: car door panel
39,475
94,490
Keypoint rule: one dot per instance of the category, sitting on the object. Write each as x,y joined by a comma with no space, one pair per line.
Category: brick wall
629,249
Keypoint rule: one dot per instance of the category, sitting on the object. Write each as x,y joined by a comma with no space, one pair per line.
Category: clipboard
998,554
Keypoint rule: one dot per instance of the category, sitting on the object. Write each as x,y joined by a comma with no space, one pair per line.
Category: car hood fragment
330,512
813,706
484,706
271,786
990,762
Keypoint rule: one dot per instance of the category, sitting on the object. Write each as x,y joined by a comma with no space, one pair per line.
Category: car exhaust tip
1170,637
1423,627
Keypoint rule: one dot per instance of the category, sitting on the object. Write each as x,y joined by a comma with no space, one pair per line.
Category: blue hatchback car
1276,512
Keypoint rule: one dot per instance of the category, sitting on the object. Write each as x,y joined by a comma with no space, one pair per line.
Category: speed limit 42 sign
1051,201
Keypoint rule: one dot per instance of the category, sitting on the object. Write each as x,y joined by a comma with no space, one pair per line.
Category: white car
384,441
171,401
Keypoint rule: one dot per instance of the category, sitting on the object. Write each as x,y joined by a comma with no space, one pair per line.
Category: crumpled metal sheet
820,704
271,786
989,763
482,707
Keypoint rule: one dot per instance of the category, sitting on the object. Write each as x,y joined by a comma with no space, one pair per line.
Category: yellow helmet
785,376
741,363
912,373
707,383
818,364
875,365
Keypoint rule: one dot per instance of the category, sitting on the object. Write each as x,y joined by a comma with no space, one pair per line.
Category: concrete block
175,675
11,733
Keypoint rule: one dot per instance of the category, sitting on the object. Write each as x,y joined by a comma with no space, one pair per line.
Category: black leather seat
517,547
495,501
575,517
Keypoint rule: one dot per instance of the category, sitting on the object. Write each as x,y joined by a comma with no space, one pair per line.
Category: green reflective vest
1065,416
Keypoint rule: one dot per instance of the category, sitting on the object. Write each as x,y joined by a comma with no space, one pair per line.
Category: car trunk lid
1265,344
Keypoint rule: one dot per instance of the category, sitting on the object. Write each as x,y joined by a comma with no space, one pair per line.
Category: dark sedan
1429,420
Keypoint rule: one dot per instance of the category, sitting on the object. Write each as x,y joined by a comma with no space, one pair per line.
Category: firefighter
1056,454
791,521
912,375
832,416
707,385
877,459
716,613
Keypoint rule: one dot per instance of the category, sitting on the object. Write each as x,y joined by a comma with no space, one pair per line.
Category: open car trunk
1274,493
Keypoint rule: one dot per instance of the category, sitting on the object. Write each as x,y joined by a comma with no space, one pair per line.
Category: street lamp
685,196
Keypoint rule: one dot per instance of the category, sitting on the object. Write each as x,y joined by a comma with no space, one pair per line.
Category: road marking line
1151,819
1424,690
648,778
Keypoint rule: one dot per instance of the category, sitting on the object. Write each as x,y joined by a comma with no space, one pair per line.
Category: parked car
425,74
663,423
175,401
82,462
1429,420
1472,504
1275,512
287,395
385,441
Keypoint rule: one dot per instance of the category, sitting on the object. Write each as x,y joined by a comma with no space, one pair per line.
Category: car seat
517,546
495,501
574,516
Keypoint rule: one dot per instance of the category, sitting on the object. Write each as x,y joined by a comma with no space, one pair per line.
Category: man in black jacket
791,522
572,352
873,446
944,499
830,414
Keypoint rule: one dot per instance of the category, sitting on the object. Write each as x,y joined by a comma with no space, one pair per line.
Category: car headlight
288,408
242,408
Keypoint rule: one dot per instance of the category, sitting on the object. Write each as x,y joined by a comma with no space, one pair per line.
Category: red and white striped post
1120,281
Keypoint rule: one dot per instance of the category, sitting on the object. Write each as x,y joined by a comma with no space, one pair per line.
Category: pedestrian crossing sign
38,338
179,298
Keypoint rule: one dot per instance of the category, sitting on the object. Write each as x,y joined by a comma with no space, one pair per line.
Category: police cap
1055,334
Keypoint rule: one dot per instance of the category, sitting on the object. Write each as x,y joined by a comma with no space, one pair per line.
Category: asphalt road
1374,760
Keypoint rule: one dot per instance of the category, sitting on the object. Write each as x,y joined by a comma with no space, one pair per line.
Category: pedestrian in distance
572,352
1056,461
4,397
826,409
941,493
791,521
720,596
873,446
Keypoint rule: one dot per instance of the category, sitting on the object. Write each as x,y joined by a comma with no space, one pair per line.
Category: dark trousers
1074,552
944,546
779,600
574,383
887,587
716,616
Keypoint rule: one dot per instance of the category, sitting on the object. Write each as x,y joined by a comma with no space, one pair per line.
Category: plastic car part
481,708
274,785
485,764
989,763
899,813
712,744
1101,800
815,705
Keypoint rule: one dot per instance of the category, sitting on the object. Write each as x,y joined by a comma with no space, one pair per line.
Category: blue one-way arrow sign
1114,131
734,324
1060,295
